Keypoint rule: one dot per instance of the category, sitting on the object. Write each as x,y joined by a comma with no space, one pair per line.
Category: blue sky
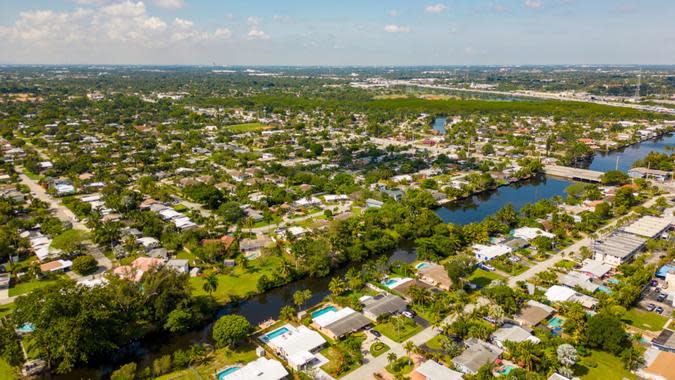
318,32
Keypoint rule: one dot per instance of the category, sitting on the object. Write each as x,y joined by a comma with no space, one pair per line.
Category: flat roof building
259,369
617,248
648,226
382,304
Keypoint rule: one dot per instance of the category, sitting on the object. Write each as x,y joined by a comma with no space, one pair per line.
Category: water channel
472,209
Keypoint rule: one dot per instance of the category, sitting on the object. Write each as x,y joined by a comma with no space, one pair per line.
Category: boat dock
582,175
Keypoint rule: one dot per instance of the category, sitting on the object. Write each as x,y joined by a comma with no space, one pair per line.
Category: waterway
473,209
482,205
628,155
439,124
256,309
479,206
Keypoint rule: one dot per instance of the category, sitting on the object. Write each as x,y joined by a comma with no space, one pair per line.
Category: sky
338,32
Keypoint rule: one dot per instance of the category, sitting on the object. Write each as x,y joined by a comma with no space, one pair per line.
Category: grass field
602,366
29,286
241,282
399,331
248,127
6,309
645,320
7,372
483,278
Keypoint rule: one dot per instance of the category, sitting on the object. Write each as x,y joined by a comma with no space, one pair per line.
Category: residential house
382,304
532,314
477,354
431,370
435,275
511,333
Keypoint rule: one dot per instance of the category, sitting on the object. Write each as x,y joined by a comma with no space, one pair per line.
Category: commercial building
617,248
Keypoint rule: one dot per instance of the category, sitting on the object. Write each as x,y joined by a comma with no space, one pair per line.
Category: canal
479,206
473,209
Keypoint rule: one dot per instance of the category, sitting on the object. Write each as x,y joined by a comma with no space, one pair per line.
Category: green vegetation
378,348
29,286
241,282
69,241
247,127
645,320
483,278
399,328
345,356
602,366
231,329
400,366
7,372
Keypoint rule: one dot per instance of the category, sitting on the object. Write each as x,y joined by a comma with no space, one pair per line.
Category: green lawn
483,278
221,358
248,127
6,309
29,286
7,372
378,348
240,282
332,352
645,320
400,330
602,366
401,366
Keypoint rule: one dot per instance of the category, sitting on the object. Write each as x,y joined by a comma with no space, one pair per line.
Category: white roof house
557,293
529,233
296,344
489,252
595,268
431,370
169,213
259,369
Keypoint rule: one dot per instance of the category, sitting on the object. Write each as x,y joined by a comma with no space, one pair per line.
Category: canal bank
479,206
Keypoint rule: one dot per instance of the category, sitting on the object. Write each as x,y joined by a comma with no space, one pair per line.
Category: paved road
551,261
64,214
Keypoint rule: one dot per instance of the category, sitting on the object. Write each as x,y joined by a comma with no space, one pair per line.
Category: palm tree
210,283
391,357
336,286
409,347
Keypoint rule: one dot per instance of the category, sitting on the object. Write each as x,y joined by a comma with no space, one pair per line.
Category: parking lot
651,296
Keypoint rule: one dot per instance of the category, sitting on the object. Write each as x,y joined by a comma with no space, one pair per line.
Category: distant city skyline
359,33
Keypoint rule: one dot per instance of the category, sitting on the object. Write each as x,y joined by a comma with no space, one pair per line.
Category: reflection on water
480,206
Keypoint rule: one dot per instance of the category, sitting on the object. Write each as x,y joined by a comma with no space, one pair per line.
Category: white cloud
254,31
126,24
394,13
222,33
393,28
435,8
169,4
533,4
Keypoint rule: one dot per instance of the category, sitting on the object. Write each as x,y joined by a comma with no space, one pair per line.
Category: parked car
653,283
375,333
486,267
662,297
651,307
659,310
409,313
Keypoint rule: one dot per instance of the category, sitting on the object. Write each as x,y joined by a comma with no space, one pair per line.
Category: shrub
230,330
85,265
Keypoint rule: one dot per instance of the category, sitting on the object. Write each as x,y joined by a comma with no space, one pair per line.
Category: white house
489,252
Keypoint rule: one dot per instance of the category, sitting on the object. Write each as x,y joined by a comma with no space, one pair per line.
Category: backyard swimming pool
226,372
421,265
274,334
323,311
555,322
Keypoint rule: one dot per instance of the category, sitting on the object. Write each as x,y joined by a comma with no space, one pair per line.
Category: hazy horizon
349,33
